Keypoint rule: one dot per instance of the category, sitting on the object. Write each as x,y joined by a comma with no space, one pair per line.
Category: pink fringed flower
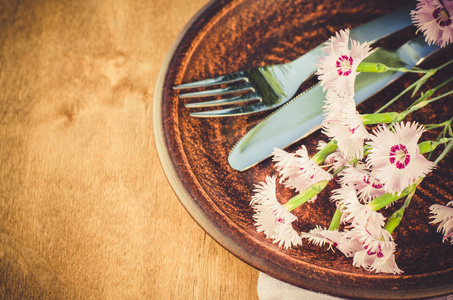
376,252
435,20
366,185
344,124
297,170
336,103
395,159
337,69
355,212
443,215
321,236
271,217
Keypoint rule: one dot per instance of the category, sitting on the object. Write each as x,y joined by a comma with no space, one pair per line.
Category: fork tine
229,112
224,79
227,101
216,92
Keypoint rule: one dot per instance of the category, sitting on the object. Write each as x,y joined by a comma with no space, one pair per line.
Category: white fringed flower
297,170
344,125
271,217
336,102
366,185
376,252
443,214
395,159
373,262
355,212
321,236
435,21
348,246
337,69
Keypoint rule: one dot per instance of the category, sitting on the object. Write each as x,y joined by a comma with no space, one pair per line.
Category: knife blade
304,113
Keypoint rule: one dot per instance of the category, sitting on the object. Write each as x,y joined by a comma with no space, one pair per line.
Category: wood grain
86,210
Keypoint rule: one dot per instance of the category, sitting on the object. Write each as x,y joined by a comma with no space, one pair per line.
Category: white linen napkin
270,288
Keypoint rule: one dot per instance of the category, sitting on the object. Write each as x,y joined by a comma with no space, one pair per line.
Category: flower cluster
377,160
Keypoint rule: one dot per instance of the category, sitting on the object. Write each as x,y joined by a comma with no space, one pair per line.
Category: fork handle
369,32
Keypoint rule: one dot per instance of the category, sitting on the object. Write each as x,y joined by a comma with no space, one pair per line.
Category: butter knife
303,114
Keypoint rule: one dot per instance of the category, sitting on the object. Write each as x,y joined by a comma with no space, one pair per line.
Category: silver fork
264,88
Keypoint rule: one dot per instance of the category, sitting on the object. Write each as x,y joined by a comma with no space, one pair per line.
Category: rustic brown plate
233,35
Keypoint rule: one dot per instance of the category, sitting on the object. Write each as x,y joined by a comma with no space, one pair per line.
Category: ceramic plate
233,35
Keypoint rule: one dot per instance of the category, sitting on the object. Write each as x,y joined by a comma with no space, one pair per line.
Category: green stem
306,195
445,124
397,216
440,97
429,146
417,84
384,200
444,65
419,104
445,152
419,71
388,117
430,92
371,67
320,157
394,220
335,222
412,86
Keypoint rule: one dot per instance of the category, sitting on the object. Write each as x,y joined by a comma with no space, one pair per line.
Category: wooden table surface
86,209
